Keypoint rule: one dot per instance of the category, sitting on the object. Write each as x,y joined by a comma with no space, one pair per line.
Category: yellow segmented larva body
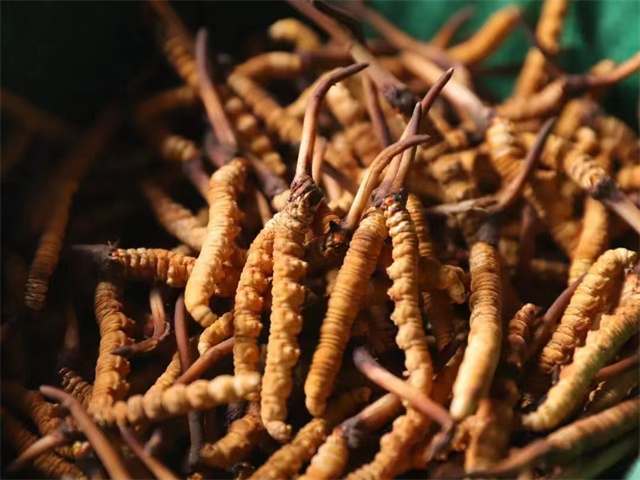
454,180
289,269
66,182
594,238
584,170
492,424
176,219
110,384
181,399
181,59
173,146
295,32
275,118
542,104
363,141
251,136
485,337
270,66
218,244
591,432
242,437
288,460
548,32
600,346
75,385
404,292
593,297
169,376
249,300
344,304
216,332
330,460
165,101
155,264
488,38
618,137
628,178
612,391
48,464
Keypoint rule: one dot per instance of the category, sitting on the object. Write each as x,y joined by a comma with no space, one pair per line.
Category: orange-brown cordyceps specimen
594,296
288,271
600,346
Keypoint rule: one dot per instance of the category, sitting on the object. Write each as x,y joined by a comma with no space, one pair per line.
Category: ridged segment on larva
492,424
600,347
594,238
48,464
169,376
76,386
242,437
295,32
249,300
583,169
404,293
270,66
218,245
181,59
216,333
485,336
364,142
330,460
344,304
593,297
110,384
174,218
156,264
287,461
611,392
181,399
289,269
591,432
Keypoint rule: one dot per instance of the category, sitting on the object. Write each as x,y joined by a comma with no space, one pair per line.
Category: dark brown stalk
378,121
212,104
205,361
310,124
513,191
101,445
160,471
397,183
549,320
617,368
371,418
418,400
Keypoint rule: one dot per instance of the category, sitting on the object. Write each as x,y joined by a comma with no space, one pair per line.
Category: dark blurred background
68,56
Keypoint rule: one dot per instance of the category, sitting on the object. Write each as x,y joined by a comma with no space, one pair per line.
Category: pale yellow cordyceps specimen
593,238
295,32
485,337
532,74
593,297
249,300
242,436
491,426
344,304
76,386
48,464
156,264
216,333
66,182
174,218
218,245
181,399
577,438
287,461
628,178
169,376
601,346
110,384
330,460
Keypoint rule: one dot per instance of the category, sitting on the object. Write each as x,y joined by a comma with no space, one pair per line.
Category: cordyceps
66,182
351,284
289,269
594,296
600,346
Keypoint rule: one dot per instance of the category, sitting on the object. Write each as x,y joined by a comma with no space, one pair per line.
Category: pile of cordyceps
386,276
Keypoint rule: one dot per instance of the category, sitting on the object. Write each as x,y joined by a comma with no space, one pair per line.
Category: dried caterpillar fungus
217,245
